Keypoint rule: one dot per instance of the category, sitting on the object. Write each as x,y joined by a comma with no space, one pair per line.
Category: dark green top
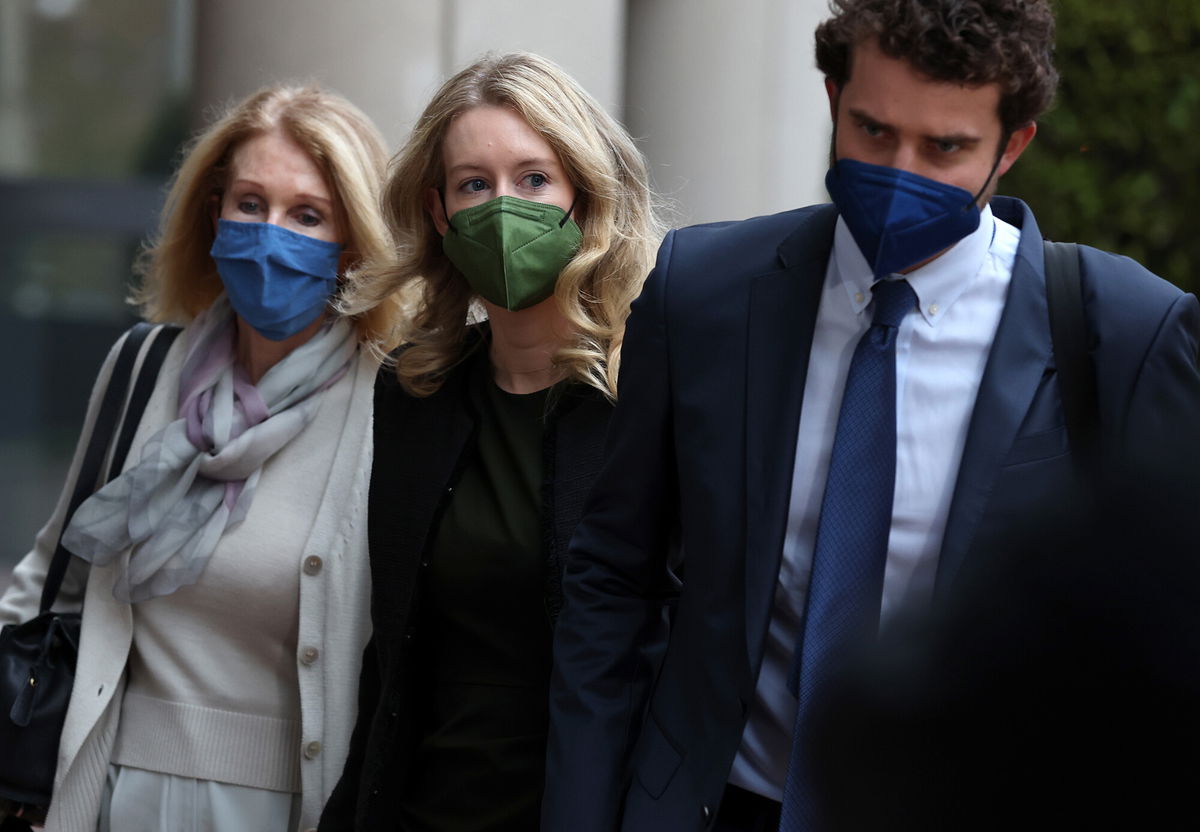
482,667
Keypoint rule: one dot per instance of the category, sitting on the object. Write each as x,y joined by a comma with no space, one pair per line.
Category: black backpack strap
1068,332
147,378
104,429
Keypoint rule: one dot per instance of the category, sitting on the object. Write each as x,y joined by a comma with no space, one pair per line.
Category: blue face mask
278,281
898,218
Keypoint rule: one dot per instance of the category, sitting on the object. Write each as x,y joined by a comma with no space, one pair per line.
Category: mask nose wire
449,222
974,199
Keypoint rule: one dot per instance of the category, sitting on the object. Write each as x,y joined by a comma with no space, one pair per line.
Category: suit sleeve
340,812
614,585
1165,401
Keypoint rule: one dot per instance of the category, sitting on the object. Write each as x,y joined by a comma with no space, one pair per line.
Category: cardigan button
312,565
312,750
309,655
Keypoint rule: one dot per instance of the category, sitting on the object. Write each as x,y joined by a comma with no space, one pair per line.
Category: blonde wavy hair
616,206
179,279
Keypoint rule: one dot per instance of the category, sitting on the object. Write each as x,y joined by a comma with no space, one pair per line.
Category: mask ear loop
991,173
567,215
442,198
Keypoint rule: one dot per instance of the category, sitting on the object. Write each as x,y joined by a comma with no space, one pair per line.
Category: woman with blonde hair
223,575
516,198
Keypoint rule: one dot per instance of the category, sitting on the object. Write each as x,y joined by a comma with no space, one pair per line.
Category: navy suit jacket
700,452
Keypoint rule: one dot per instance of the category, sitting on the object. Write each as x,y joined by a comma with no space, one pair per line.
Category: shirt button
312,565
707,812
858,297
933,309
312,750
309,655
412,631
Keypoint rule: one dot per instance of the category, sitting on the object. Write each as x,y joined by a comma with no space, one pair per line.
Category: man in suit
828,412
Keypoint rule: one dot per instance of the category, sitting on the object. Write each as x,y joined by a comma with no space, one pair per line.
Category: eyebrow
532,162
257,186
954,138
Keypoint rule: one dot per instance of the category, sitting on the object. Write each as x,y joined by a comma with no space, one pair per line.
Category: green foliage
1116,164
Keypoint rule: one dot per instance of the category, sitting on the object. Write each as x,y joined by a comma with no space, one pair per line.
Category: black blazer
419,455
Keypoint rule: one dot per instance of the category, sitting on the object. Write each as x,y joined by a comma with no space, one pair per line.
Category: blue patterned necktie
846,584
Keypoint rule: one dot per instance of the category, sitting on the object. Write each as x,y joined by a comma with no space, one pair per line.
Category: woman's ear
436,209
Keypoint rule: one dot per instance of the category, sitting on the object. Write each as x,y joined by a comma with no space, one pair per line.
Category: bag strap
1068,333
104,430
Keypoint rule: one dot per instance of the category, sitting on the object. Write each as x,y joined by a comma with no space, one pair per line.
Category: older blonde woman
516,192
223,575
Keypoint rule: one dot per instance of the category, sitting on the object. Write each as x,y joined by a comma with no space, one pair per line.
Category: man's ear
1017,142
832,90
437,211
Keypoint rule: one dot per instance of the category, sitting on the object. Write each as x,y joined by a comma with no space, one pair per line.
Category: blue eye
947,147
872,130
475,185
535,180
308,218
247,206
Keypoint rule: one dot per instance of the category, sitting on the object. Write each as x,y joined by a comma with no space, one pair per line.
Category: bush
1116,164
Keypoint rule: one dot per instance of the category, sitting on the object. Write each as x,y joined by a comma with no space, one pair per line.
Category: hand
19,817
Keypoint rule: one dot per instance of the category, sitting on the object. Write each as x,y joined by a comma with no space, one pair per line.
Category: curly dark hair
974,42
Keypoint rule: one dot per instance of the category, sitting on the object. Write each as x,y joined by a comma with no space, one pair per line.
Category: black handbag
37,658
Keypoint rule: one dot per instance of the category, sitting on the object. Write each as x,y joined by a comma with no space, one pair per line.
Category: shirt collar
938,284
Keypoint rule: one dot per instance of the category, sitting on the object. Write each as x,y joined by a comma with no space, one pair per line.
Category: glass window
94,97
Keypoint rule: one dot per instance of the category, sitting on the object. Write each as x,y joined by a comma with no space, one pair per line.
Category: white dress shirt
941,349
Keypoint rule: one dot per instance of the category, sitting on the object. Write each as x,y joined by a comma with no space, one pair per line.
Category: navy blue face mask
897,218
278,281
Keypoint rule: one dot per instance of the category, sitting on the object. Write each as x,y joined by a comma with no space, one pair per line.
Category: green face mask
511,250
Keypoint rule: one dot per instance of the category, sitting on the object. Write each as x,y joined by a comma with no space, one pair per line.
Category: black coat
419,455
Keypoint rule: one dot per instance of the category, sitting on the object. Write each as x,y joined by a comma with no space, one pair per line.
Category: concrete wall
730,108
389,57
722,96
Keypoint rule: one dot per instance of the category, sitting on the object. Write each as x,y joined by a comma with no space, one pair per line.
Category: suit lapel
1018,359
783,312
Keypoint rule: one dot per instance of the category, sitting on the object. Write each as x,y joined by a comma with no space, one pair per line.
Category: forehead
276,158
493,135
891,91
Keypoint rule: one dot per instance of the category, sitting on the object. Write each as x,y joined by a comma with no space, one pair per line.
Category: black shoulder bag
1068,333
37,658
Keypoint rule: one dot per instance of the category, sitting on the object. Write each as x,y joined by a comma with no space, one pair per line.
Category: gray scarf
197,476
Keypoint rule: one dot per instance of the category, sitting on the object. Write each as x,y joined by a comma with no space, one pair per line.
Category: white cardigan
334,612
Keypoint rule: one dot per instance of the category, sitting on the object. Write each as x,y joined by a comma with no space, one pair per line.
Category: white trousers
147,801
